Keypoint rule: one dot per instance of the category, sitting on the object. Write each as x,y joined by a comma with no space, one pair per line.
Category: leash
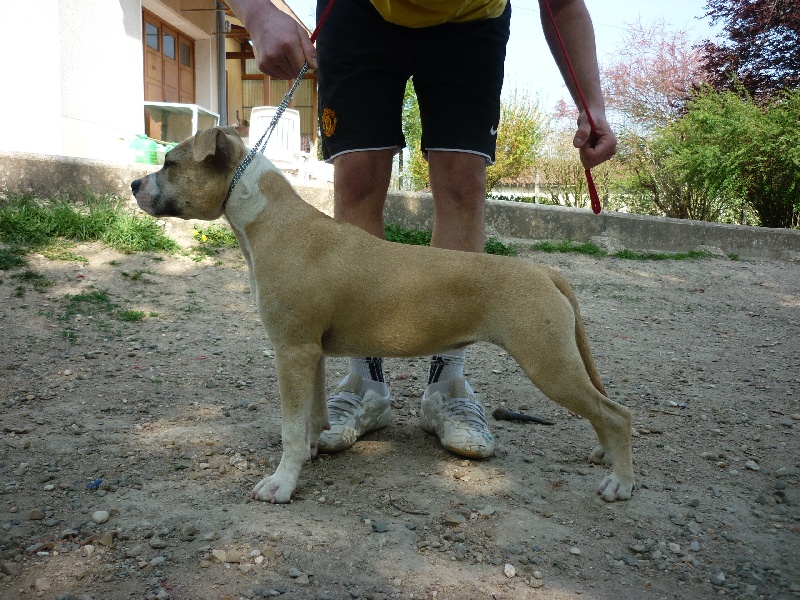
261,144
589,179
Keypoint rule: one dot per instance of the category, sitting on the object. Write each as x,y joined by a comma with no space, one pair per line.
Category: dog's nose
135,185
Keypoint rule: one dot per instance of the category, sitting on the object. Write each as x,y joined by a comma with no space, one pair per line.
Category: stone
219,556
157,543
100,516
718,579
107,539
454,519
509,570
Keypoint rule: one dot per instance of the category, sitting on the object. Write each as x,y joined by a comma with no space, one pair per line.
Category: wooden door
153,68
169,43
186,65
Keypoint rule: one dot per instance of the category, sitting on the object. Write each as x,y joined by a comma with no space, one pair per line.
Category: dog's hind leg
300,378
561,375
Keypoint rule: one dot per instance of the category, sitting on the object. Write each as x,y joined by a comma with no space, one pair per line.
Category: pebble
718,579
509,570
454,519
575,551
750,464
219,556
36,515
380,526
100,516
157,543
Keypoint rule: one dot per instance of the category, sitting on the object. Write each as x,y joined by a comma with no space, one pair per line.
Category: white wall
101,75
30,104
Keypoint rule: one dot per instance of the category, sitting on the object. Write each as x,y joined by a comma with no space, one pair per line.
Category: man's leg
361,402
449,406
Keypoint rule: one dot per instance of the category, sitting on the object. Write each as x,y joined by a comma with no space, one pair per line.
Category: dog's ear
214,143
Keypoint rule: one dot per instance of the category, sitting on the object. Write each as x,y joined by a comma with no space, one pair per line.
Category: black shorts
365,62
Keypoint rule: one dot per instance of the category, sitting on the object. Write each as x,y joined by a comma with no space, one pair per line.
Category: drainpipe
221,79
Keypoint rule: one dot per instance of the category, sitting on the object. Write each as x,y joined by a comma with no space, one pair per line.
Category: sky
529,64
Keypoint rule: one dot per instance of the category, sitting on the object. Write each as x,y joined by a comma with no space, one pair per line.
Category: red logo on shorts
328,121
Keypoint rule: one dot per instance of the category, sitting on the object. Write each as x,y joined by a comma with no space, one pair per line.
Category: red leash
322,18
589,180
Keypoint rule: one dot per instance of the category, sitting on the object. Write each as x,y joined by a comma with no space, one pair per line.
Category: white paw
275,489
600,456
613,488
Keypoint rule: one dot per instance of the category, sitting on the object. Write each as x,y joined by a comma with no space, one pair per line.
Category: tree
763,47
648,85
520,135
736,148
652,75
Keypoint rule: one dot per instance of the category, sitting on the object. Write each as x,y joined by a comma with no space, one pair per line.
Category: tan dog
326,288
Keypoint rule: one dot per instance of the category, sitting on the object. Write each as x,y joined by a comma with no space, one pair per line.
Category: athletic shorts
365,62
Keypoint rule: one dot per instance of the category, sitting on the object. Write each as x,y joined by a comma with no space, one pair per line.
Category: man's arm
280,43
575,26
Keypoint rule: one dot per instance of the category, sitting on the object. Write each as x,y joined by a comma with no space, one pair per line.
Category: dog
327,288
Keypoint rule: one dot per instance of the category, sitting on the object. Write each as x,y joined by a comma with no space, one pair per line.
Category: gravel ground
129,448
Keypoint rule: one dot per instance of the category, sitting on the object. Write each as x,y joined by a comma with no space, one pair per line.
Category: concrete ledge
66,177
58,176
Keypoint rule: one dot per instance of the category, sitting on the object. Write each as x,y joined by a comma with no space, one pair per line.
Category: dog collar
261,144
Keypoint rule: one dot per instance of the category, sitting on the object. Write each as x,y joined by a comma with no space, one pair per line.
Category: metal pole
221,79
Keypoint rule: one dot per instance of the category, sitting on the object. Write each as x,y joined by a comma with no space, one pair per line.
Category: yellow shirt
425,13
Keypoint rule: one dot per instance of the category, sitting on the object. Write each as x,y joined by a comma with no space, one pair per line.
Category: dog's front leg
301,378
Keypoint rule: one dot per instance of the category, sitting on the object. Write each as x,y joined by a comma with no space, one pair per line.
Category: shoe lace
464,410
343,403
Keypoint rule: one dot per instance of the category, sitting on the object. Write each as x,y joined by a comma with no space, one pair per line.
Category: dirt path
175,417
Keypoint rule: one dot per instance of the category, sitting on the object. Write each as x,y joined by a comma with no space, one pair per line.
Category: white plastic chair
283,147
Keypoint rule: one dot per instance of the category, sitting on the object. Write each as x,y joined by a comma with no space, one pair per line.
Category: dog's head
195,177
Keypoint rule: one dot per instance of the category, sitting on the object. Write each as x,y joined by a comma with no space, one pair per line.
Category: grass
591,249
47,225
36,280
397,233
12,258
211,240
95,303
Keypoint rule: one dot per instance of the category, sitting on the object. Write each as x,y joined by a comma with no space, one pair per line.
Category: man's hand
597,148
281,45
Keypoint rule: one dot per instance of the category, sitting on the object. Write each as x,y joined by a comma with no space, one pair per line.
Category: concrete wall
55,176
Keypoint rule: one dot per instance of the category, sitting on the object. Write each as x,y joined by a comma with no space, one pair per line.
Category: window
169,46
151,35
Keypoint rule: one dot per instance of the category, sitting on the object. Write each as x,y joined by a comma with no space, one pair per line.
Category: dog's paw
601,456
613,488
273,489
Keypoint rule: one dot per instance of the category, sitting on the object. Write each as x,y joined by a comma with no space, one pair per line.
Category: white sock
447,366
370,367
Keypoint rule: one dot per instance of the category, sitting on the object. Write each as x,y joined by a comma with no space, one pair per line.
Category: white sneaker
451,411
358,406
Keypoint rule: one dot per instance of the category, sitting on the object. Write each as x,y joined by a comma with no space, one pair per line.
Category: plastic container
144,150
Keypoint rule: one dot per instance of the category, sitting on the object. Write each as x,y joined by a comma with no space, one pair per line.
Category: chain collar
261,144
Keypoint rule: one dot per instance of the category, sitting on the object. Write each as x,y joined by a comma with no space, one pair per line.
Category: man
454,50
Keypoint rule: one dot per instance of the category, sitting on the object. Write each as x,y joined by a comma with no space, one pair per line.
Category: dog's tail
580,333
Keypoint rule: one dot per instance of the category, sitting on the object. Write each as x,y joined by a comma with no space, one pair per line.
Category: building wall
76,85
31,101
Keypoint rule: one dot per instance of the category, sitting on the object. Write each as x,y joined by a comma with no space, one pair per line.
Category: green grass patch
215,235
35,224
591,249
97,304
414,237
12,258
578,248
36,280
